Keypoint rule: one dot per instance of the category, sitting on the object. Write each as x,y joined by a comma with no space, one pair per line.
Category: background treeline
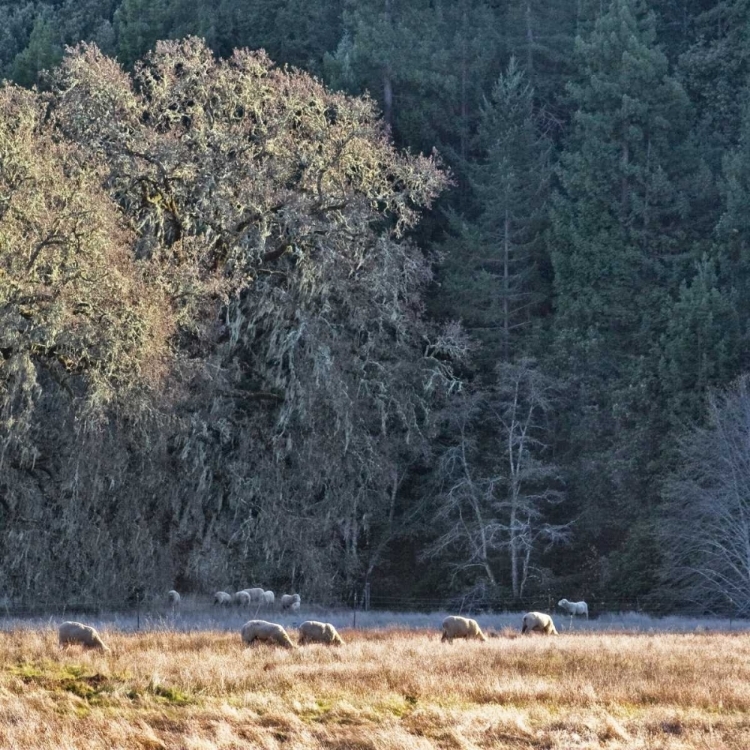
293,402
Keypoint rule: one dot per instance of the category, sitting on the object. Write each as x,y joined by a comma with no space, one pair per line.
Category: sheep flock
309,632
72,633
312,631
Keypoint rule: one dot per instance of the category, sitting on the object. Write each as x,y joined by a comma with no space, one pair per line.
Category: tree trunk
464,74
514,553
387,74
529,43
624,181
506,287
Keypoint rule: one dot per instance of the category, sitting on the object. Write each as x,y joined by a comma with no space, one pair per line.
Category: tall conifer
617,251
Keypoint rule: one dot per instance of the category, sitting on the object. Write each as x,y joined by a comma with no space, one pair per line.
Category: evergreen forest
445,299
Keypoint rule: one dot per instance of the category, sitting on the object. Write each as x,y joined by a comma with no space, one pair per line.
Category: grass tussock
395,689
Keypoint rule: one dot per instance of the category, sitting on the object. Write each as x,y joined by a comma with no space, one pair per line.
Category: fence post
354,618
367,597
138,612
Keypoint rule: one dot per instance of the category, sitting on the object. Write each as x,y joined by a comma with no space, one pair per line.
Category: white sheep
269,598
242,599
222,598
174,597
461,627
538,622
311,631
256,595
77,633
290,601
260,630
574,608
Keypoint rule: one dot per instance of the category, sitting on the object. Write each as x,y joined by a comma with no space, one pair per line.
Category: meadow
396,688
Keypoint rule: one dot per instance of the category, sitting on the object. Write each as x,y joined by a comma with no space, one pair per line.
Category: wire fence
364,600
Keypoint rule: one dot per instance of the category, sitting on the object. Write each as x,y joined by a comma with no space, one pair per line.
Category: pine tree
493,277
702,345
542,35
714,70
294,32
16,23
426,61
43,51
139,24
617,215
90,20
617,251
733,228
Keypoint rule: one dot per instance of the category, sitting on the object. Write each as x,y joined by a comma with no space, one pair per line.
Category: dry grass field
384,689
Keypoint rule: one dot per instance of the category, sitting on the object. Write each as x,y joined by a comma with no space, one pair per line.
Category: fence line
365,600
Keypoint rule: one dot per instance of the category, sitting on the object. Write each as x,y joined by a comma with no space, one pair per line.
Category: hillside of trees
448,298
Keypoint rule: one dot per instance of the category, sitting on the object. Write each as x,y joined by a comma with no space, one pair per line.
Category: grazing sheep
260,630
174,597
539,622
222,598
77,633
290,601
318,632
574,608
461,627
256,595
242,598
269,598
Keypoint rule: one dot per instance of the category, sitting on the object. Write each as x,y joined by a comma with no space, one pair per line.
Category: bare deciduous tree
492,515
705,530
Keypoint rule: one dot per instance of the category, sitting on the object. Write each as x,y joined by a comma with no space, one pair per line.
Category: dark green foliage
492,278
714,70
703,345
434,57
617,218
542,35
617,249
16,23
297,32
139,24
43,51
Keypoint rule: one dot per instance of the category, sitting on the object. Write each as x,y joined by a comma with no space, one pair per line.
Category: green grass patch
317,713
70,678
171,695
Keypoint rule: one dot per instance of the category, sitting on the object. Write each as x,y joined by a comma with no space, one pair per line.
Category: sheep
174,597
77,633
269,598
242,599
256,595
461,627
290,601
270,632
222,598
318,632
539,622
574,608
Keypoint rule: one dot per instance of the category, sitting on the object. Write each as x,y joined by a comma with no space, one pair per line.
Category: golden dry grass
383,689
